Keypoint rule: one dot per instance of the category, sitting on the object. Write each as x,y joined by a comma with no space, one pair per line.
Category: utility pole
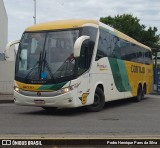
34,17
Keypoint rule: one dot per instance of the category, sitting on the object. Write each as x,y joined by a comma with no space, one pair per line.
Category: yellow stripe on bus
29,87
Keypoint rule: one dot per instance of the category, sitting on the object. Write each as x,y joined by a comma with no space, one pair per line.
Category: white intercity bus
73,63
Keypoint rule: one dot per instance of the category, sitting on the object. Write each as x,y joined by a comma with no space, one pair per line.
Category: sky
21,12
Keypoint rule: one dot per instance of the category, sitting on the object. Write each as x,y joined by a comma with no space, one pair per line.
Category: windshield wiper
45,64
39,63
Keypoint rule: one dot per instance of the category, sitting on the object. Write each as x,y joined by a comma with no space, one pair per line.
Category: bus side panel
101,72
120,76
139,74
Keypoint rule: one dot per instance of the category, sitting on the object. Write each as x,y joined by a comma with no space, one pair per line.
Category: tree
131,26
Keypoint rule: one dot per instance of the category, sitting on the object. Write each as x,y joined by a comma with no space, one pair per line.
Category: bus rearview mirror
78,44
8,51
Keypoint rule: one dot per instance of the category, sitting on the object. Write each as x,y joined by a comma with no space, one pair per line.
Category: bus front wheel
99,101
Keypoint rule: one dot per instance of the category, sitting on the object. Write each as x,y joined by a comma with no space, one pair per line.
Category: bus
74,63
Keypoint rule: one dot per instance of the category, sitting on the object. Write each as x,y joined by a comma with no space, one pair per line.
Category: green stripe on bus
52,87
124,75
120,75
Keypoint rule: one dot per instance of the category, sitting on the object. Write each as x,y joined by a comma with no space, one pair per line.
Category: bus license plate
39,102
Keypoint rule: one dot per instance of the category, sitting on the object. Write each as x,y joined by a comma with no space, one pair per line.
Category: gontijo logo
28,87
137,69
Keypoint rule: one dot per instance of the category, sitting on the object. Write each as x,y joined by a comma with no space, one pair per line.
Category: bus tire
99,101
144,90
50,108
140,95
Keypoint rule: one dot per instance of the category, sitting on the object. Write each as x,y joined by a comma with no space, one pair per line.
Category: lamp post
34,17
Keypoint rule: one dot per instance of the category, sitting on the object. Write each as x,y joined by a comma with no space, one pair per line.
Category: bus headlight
67,89
16,88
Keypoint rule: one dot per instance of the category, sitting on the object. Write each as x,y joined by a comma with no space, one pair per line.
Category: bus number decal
84,98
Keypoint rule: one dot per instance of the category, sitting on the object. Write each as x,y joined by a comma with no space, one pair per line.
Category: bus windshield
46,55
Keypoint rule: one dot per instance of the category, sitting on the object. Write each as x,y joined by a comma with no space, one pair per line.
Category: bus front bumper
66,100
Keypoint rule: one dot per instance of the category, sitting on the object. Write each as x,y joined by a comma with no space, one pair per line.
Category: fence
6,87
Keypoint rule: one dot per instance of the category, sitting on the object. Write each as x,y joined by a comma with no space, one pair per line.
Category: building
6,67
3,27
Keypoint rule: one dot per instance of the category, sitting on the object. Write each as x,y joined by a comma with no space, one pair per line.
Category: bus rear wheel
144,90
99,101
140,94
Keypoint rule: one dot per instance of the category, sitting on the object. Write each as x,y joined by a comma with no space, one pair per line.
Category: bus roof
61,24
64,24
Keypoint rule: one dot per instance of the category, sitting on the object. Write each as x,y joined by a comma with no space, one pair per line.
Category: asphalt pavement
118,118
123,118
